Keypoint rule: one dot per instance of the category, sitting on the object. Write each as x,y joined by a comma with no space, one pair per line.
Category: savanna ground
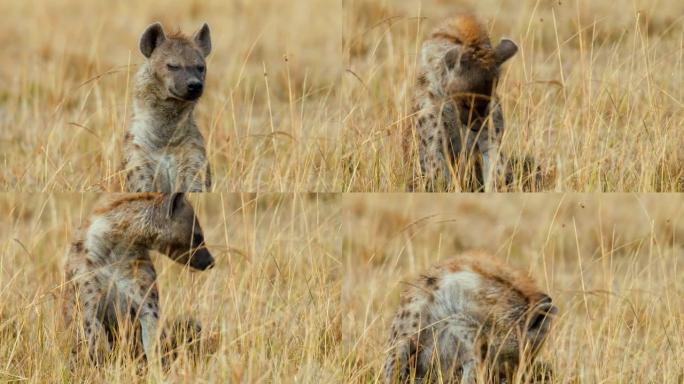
270,307
593,101
270,112
611,263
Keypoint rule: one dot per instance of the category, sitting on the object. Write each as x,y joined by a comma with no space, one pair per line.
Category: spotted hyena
163,149
466,318
110,279
455,108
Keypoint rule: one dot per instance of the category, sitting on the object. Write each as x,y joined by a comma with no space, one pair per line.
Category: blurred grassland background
271,303
611,263
270,112
593,101
306,286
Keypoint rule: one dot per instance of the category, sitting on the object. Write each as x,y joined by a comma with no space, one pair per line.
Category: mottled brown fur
110,278
164,150
467,317
456,110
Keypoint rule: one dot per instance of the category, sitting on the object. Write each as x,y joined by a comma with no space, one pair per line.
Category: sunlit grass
612,264
593,101
271,302
270,113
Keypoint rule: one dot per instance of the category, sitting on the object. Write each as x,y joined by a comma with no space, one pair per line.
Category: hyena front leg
90,296
396,368
432,147
490,161
488,143
141,291
149,325
151,332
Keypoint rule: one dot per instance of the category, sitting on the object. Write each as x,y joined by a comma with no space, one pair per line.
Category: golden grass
306,285
314,95
272,299
594,97
612,264
270,113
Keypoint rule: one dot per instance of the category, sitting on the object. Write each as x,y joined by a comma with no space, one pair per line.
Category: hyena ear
151,39
505,50
173,203
203,39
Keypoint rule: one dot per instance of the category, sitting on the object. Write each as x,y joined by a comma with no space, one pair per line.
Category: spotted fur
468,317
456,110
110,278
164,150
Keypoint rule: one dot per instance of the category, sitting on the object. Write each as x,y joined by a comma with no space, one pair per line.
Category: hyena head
473,65
518,324
177,62
180,237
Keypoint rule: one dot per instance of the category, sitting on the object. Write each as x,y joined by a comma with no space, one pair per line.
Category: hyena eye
200,68
172,67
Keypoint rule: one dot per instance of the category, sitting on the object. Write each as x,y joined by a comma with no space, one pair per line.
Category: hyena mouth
201,259
198,258
187,97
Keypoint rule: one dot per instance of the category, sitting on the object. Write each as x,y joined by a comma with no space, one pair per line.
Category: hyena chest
166,171
175,170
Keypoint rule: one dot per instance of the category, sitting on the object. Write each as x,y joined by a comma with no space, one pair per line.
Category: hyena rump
466,318
110,278
163,149
455,108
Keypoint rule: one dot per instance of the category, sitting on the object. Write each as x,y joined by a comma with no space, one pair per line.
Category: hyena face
473,71
531,317
176,62
181,236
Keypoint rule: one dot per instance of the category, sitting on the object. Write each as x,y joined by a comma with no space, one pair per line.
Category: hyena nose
195,86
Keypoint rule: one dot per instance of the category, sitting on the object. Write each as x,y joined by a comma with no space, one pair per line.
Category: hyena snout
539,320
200,257
187,86
195,88
195,255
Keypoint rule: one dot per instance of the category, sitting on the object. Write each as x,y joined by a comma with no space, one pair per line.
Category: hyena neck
110,241
157,120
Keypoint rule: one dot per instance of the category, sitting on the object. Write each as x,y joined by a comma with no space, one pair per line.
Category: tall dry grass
271,304
306,285
315,95
593,101
270,113
612,263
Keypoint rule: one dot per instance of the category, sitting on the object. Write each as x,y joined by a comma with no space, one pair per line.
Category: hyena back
110,278
455,108
164,150
468,317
